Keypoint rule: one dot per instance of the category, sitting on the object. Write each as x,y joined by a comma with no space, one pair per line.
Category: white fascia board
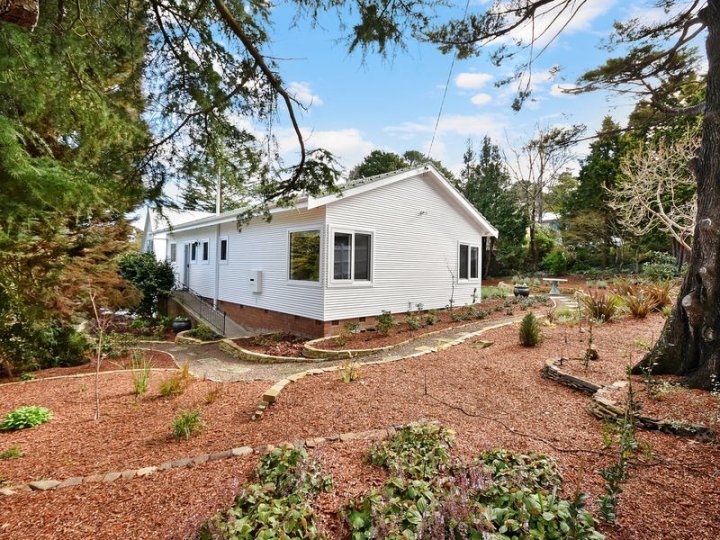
227,217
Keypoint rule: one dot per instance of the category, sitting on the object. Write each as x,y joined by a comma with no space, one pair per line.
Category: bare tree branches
659,191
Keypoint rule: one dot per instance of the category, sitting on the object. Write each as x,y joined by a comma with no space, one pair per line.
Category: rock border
271,395
551,370
233,349
181,338
604,407
191,461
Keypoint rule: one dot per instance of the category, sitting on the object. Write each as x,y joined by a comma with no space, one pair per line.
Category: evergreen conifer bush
530,334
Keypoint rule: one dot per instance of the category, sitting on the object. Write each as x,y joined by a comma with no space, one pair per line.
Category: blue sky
357,105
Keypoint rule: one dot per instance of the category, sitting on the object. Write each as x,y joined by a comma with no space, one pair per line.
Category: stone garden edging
604,407
181,338
271,395
551,370
229,346
242,451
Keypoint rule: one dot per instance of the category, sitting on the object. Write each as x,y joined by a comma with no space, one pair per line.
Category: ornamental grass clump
639,305
529,333
141,366
25,417
601,306
187,423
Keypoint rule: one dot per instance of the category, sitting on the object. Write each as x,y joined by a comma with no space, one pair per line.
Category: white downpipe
218,207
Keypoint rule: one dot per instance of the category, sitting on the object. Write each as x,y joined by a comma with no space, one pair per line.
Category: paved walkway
208,361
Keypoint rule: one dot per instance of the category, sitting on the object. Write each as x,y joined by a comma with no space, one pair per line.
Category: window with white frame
468,262
223,249
193,252
205,250
352,256
304,255
173,252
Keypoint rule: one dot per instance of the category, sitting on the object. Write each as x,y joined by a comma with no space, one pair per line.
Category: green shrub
530,334
555,262
203,333
431,317
279,505
418,451
13,452
488,293
666,311
187,423
24,376
413,321
25,417
385,323
660,267
153,278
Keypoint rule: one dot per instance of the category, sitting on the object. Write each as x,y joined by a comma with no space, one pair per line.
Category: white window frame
298,282
170,252
352,282
227,250
200,250
469,279
195,243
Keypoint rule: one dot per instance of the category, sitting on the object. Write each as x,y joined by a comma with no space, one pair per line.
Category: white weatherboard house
390,242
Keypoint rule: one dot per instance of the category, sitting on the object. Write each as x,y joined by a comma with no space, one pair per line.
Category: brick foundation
267,320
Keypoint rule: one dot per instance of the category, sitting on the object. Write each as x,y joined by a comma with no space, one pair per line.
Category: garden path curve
208,361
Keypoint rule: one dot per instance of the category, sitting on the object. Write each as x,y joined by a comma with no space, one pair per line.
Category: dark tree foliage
651,55
378,162
153,278
485,182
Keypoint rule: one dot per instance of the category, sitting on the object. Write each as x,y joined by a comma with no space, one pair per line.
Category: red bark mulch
497,388
158,360
274,344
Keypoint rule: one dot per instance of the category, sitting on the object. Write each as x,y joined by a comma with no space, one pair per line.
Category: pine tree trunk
689,344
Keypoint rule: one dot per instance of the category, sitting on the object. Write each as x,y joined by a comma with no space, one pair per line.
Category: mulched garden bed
274,344
669,400
371,339
131,433
615,349
158,359
675,496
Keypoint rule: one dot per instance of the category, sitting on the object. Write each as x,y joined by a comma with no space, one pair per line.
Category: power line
447,84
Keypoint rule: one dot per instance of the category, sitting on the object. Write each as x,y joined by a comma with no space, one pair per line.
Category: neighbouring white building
398,241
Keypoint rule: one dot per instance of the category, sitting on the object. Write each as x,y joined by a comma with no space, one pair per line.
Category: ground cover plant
202,332
278,505
25,417
187,423
500,494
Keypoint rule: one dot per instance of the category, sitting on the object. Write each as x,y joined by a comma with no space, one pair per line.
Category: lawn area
494,397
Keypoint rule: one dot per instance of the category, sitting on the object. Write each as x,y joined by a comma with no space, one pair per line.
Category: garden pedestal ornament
554,285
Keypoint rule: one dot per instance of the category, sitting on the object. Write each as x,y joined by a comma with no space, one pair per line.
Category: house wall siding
416,234
258,246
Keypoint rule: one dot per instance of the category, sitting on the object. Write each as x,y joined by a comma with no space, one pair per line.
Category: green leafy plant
153,278
413,321
13,452
203,333
660,267
279,505
187,423
141,366
25,417
25,376
385,323
431,317
601,306
349,371
529,333
666,311
177,384
488,293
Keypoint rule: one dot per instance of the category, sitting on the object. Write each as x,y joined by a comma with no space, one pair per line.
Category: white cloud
474,81
481,99
304,94
465,125
560,90
347,145
566,18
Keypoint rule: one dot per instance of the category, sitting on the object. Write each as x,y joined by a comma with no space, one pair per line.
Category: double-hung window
352,256
468,262
223,250
193,252
205,251
173,252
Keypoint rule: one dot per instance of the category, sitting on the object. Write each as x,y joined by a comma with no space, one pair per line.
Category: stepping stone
69,482
242,451
44,485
